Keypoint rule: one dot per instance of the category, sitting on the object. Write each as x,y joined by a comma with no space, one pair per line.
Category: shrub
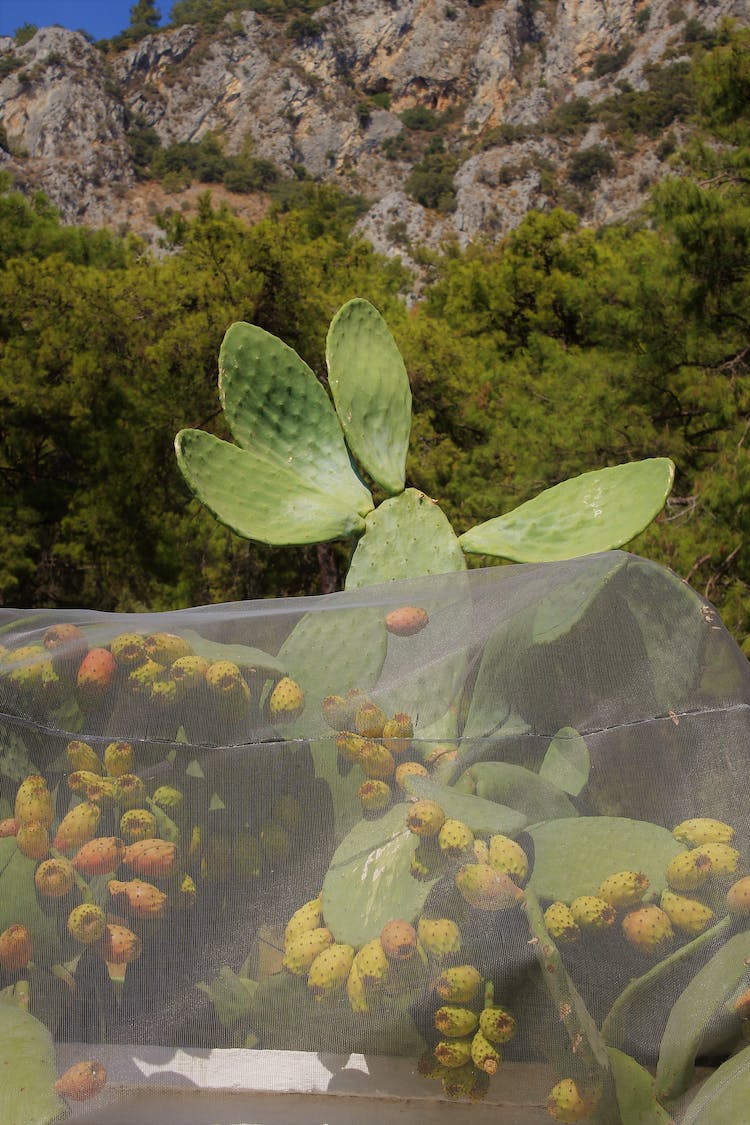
430,182
419,117
25,32
588,164
381,99
610,61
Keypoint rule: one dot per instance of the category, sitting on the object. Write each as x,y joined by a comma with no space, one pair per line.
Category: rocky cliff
451,118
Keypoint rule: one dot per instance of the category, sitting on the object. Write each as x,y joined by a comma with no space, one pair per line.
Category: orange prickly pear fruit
33,840
86,922
425,818
100,856
83,757
16,948
151,857
77,827
34,802
118,758
119,945
95,676
287,701
82,1081
54,878
8,827
137,824
649,929
144,899
66,645
406,620
738,897
399,940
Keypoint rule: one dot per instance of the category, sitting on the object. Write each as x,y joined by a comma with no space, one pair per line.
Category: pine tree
144,18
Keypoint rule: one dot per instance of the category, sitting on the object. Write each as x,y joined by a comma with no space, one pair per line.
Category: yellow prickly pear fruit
649,929
688,870
398,731
485,888
355,990
118,944
34,802
481,851
300,953
592,913
287,701
86,922
188,672
77,827
561,925
369,721
738,897
497,1024
459,984
399,940
484,1054
142,678
455,1021
376,760
16,948
54,878
508,856
703,830
336,712
129,650
165,648
425,818
686,914
349,745
130,791
329,970
372,963
100,856
168,798
144,899
439,937
137,824
118,759
308,917
82,1081
188,893
84,783
407,770
83,757
465,1082
724,860
455,838
32,839
624,888
151,857
567,1103
226,682
375,796
453,1053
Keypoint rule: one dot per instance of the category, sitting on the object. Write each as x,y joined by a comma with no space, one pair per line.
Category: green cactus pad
369,881
634,1087
724,1096
370,388
594,512
517,788
405,537
695,1021
568,602
231,994
259,498
567,763
242,655
27,1064
277,409
575,855
484,818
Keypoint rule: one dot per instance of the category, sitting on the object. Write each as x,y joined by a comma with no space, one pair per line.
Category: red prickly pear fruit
82,1081
34,802
16,948
649,929
399,940
77,827
86,922
95,676
99,856
144,899
8,827
151,857
406,620
118,944
54,878
33,840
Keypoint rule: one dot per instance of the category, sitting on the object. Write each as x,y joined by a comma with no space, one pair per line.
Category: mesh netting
474,820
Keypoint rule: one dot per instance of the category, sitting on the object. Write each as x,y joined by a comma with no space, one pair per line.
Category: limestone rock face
306,102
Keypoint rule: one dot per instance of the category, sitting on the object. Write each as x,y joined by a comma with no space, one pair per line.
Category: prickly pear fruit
86,922
168,798
425,818
481,850
688,870
497,1024
100,790
724,860
376,760
99,856
455,838
165,648
369,720
375,796
508,856
82,1081
83,757
372,963
77,827
34,802
308,917
398,731
349,745
407,770
142,678
300,953
8,827
151,857
567,1103
738,897
484,1054
137,824
487,889
427,861
225,680
455,1021
128,650
703,830
66,645
119,945
144,899
561,925
118,759
686,914
406,620
188,672
130,791
648,929
32,839
465,1082
623,889
355,990
16,948
399,940
460,984
95,677
592,913
336,712
287,701
439,937
54,878
453,1052
329,970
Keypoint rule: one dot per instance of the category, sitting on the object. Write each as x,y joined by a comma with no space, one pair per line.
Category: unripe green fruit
484,1054
567,1103
497,1024
460,984
453,1053
455,1021
465,1082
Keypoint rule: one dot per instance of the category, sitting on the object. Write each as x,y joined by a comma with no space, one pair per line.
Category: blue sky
101,18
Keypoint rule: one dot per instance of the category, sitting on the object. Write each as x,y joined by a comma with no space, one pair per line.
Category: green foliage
419,117
210,13
607,62
303,28
24,33
382,99
430,181
588,164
